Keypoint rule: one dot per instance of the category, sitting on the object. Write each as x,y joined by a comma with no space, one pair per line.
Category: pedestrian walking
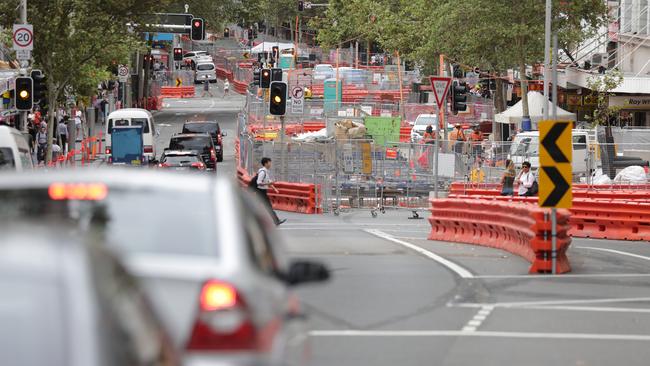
262,182
62,128
56,151
77,125
226,87
527,183
206,89
508,179
41,140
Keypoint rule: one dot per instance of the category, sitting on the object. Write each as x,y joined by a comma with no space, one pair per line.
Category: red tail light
148,149
223,321
163,165
198,165
213,155
108,150
219,138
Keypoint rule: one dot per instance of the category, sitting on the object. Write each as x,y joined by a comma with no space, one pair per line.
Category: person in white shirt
264,182
77,124
62,129
526,180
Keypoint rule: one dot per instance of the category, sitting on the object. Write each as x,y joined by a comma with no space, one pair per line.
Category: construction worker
457,139
476,138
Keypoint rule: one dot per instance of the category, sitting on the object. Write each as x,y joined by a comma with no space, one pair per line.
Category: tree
602,86
76,39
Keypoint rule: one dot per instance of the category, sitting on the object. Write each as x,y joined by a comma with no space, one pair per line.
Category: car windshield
6,159
140,122
133,220
203,67
180,159
211,128
425,121
190,143
322,68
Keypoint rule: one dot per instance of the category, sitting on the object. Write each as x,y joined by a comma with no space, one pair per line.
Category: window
143,122
116,123
580,142
205,67
259,245
7,159
190,143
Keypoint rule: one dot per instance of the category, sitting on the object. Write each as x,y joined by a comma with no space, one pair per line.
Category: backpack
253,183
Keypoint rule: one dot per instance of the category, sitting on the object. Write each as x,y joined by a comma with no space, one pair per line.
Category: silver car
205,71
205,251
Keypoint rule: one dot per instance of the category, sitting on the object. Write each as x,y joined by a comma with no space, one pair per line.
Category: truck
127,146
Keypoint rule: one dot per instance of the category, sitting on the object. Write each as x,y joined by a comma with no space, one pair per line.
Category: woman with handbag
527,183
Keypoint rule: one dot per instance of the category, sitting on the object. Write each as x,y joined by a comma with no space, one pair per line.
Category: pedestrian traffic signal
40,87
459,73
278,98
256,77
24,93
301,5
198,29
276,74
226,33
265,80
458,97
275,52
178,54
251,36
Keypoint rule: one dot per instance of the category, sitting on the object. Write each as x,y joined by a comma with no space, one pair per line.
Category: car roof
191,135
130,112
180,152
199,122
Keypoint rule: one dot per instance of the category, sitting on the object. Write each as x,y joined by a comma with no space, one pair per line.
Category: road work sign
555,171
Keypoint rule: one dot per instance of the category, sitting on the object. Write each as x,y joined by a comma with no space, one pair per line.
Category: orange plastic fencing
177,92
292,197
523,230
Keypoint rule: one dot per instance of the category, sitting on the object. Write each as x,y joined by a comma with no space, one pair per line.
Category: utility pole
547,51
24,64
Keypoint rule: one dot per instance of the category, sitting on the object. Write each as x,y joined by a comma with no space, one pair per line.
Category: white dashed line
478,319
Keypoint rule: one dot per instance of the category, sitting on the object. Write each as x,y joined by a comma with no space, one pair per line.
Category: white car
194,57
205,71
323,71
420,125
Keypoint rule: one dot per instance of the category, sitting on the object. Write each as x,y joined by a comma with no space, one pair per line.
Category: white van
134,117
14,150
525,147
205,71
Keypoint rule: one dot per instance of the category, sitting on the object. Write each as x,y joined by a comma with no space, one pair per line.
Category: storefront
634,110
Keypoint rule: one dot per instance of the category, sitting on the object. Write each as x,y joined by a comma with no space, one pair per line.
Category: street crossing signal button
555,172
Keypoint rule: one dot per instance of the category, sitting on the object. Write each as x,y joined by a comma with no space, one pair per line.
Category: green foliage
602,86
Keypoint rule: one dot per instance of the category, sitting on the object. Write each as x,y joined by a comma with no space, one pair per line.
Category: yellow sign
555,172
179,82
366,155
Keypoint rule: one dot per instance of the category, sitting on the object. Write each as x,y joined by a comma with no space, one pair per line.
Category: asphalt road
399,299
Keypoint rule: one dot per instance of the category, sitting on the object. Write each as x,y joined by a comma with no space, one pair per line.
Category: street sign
555,171
440,86
122,73
297,100
23,37
179,82
23,55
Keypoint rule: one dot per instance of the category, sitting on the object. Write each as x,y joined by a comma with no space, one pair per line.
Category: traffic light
301,5
226,33
178,54
256,77
24,93
276,52
251,36
265,79
458,97
276,74
198,29
459,73
278,98
39,86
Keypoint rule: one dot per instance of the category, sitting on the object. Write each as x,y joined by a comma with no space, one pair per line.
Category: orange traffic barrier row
177,92
521,229
240,87
292,197
579,191
603,218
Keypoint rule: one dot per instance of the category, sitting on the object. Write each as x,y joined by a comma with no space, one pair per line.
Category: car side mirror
224,134
306,271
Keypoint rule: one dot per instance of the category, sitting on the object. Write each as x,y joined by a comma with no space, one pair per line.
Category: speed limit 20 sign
23,37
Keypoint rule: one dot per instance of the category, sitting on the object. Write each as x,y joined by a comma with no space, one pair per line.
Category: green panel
383,129
329,95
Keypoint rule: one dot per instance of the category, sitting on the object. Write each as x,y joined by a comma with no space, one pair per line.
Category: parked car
67,301
205,251
182,160
199,142
420,125
191,58
14,150
205,71
209,127
322,72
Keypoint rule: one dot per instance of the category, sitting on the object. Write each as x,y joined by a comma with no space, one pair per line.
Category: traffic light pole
24,64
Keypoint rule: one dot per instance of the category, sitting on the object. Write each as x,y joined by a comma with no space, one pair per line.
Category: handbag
534,189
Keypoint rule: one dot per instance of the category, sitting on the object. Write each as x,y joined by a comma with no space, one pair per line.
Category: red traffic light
197,23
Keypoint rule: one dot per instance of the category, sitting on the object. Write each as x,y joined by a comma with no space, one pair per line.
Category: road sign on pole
122,73
23,55
179,81
23,37
555,171
440,86
297,100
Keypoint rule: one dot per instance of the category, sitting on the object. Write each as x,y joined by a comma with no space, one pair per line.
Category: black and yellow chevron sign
555,171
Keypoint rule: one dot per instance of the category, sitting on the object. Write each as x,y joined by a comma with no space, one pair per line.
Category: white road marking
588,309
551,302
487,334
460,271
478,319
551,277
616,252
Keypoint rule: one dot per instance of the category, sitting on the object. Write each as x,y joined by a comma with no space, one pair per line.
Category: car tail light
198,165
223,321
219,138
108,150
148,149
213,155
163,165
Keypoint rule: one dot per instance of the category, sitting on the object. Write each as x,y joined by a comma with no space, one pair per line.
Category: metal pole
24,64
555,50
443,119
554,210
436,156
547,51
